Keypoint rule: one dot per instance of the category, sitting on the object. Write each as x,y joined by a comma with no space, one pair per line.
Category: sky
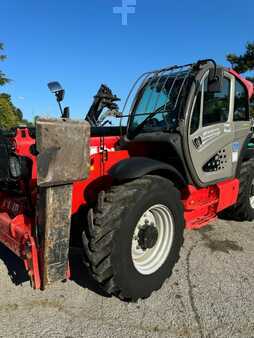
82,43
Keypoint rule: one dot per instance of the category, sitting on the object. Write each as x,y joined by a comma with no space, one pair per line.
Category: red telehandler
185,157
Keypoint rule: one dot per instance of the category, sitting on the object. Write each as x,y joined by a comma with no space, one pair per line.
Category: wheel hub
152,239
252,195
147,236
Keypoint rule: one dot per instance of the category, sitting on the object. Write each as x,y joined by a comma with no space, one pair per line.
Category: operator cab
161,100
199,113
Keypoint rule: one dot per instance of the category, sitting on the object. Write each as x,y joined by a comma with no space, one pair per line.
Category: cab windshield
158,103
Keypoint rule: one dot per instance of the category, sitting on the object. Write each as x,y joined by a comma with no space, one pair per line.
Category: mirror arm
60,107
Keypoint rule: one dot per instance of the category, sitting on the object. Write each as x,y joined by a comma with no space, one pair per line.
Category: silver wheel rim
252,194
150,260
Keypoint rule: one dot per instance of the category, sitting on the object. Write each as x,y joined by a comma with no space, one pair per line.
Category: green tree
244,63
10,116
3,78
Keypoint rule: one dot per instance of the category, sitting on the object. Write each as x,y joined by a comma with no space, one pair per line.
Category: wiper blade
150,116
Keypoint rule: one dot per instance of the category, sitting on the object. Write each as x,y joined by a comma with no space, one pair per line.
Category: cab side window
216,105
196,114
241,111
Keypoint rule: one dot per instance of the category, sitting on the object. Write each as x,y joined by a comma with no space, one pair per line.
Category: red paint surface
202,205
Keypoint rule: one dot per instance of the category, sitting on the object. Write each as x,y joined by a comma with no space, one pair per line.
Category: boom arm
103,99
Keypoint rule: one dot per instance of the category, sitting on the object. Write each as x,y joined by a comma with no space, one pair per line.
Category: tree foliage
244,63
3,78
10,116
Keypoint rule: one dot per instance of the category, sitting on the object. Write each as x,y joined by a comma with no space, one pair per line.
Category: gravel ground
210,294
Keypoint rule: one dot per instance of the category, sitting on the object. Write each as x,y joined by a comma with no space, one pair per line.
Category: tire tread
104,221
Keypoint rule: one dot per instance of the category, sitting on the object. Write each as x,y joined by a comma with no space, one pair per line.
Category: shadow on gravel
79,272
223,246
80,275
15,266
218,245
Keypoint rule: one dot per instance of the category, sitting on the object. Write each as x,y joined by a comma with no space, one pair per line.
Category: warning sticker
235,156
235,149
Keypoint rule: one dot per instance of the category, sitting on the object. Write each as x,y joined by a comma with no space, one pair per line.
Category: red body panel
16,234
202,205
103,157
17,230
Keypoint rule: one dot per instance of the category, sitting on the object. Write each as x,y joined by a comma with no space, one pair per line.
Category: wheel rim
147,261
252,194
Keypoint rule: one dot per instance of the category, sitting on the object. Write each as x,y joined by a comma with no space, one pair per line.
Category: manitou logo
128,7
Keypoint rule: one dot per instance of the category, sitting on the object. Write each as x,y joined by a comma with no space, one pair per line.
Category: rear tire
243,210
134,237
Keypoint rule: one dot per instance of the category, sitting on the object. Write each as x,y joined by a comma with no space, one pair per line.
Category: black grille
217,162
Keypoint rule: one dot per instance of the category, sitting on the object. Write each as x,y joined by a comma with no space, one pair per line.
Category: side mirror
56,89
215,81
59,92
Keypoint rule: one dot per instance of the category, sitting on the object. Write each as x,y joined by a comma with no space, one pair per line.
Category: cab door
242,123
211,132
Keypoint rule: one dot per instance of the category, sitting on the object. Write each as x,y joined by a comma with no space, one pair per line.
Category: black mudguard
135,167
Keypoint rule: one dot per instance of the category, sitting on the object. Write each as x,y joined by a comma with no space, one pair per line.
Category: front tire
134,237
243,210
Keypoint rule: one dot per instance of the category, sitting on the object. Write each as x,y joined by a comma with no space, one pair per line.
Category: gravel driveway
210,294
